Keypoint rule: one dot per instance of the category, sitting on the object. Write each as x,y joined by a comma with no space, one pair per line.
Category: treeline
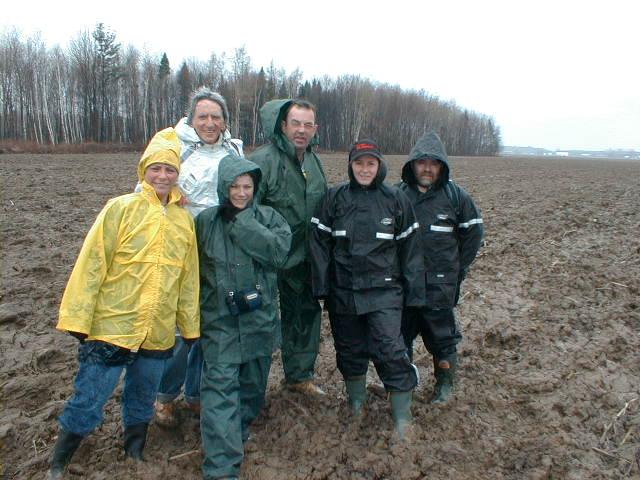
98,90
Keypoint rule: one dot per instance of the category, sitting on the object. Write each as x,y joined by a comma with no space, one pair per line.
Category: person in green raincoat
294,185
241,245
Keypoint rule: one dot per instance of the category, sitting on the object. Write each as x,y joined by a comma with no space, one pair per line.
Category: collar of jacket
150,194
287,147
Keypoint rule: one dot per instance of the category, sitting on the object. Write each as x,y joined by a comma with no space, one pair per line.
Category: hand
80,336
228,212
183,201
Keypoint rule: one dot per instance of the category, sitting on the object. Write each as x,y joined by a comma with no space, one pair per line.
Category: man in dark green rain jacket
451,232
294,184
241,246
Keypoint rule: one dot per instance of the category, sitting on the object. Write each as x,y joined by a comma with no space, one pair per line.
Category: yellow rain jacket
136,277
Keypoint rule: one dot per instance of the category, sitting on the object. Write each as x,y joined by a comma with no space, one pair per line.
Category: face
208,121
300,127
365,169
162,178
427,171
241,191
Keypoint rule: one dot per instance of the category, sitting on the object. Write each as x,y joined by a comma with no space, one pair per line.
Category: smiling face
162,178
300,127
365,169
208,121
427,172
241,191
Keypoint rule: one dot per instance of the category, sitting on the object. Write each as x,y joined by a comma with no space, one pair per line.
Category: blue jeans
98,377
183,368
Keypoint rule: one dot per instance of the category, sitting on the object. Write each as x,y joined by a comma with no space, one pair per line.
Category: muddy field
550,361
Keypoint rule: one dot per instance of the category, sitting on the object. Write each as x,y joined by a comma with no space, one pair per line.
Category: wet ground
549,381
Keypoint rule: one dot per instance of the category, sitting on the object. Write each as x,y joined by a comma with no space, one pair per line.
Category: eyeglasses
297,124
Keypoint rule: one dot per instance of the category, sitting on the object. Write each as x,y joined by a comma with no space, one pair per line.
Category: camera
245,300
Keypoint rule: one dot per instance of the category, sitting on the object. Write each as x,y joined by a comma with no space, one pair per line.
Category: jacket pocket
441,289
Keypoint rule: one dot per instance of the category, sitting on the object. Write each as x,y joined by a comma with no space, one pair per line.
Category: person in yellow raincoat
135,280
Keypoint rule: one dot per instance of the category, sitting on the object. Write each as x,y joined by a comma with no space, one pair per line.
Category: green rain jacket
236,255
294,193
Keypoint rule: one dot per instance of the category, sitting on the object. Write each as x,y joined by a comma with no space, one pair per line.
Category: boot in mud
357,392
65,447
444,371
135,437
401,412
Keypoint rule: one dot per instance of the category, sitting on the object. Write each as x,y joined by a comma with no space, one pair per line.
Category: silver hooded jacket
198,179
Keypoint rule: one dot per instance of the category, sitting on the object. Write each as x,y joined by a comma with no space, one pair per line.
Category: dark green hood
428,146
229,169
272,115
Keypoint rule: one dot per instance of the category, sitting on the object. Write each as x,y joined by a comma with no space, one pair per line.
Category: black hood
428,146
380,176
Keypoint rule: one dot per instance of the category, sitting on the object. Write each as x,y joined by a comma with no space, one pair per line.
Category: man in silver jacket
205,140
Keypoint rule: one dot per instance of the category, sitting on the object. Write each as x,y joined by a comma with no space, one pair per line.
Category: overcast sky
553,74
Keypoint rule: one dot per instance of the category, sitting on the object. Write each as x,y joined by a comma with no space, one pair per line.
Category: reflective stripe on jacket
365,251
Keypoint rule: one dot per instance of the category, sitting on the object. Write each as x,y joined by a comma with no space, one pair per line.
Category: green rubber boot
65,447
357,392
401,412
444,371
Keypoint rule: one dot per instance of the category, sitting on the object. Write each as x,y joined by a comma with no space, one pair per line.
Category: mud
550,365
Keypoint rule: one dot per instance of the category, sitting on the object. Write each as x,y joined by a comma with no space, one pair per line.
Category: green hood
427,146
271,115
232,166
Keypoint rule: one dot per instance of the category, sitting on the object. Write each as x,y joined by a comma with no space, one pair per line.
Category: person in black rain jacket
451,232
367,265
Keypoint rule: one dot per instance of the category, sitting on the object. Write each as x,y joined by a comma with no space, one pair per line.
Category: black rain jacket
365,254
449,243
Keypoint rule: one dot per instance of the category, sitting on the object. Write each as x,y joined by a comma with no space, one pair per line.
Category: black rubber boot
444,371
401,412
135,436
357,392
65,447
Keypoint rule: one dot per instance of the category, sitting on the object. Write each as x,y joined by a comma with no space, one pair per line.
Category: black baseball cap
365,147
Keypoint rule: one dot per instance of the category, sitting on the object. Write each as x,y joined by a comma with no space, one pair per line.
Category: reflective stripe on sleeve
473,221
435,228
320,225
408,231
339,233
386,236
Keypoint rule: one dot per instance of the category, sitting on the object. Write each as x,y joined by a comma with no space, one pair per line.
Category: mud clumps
549,365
